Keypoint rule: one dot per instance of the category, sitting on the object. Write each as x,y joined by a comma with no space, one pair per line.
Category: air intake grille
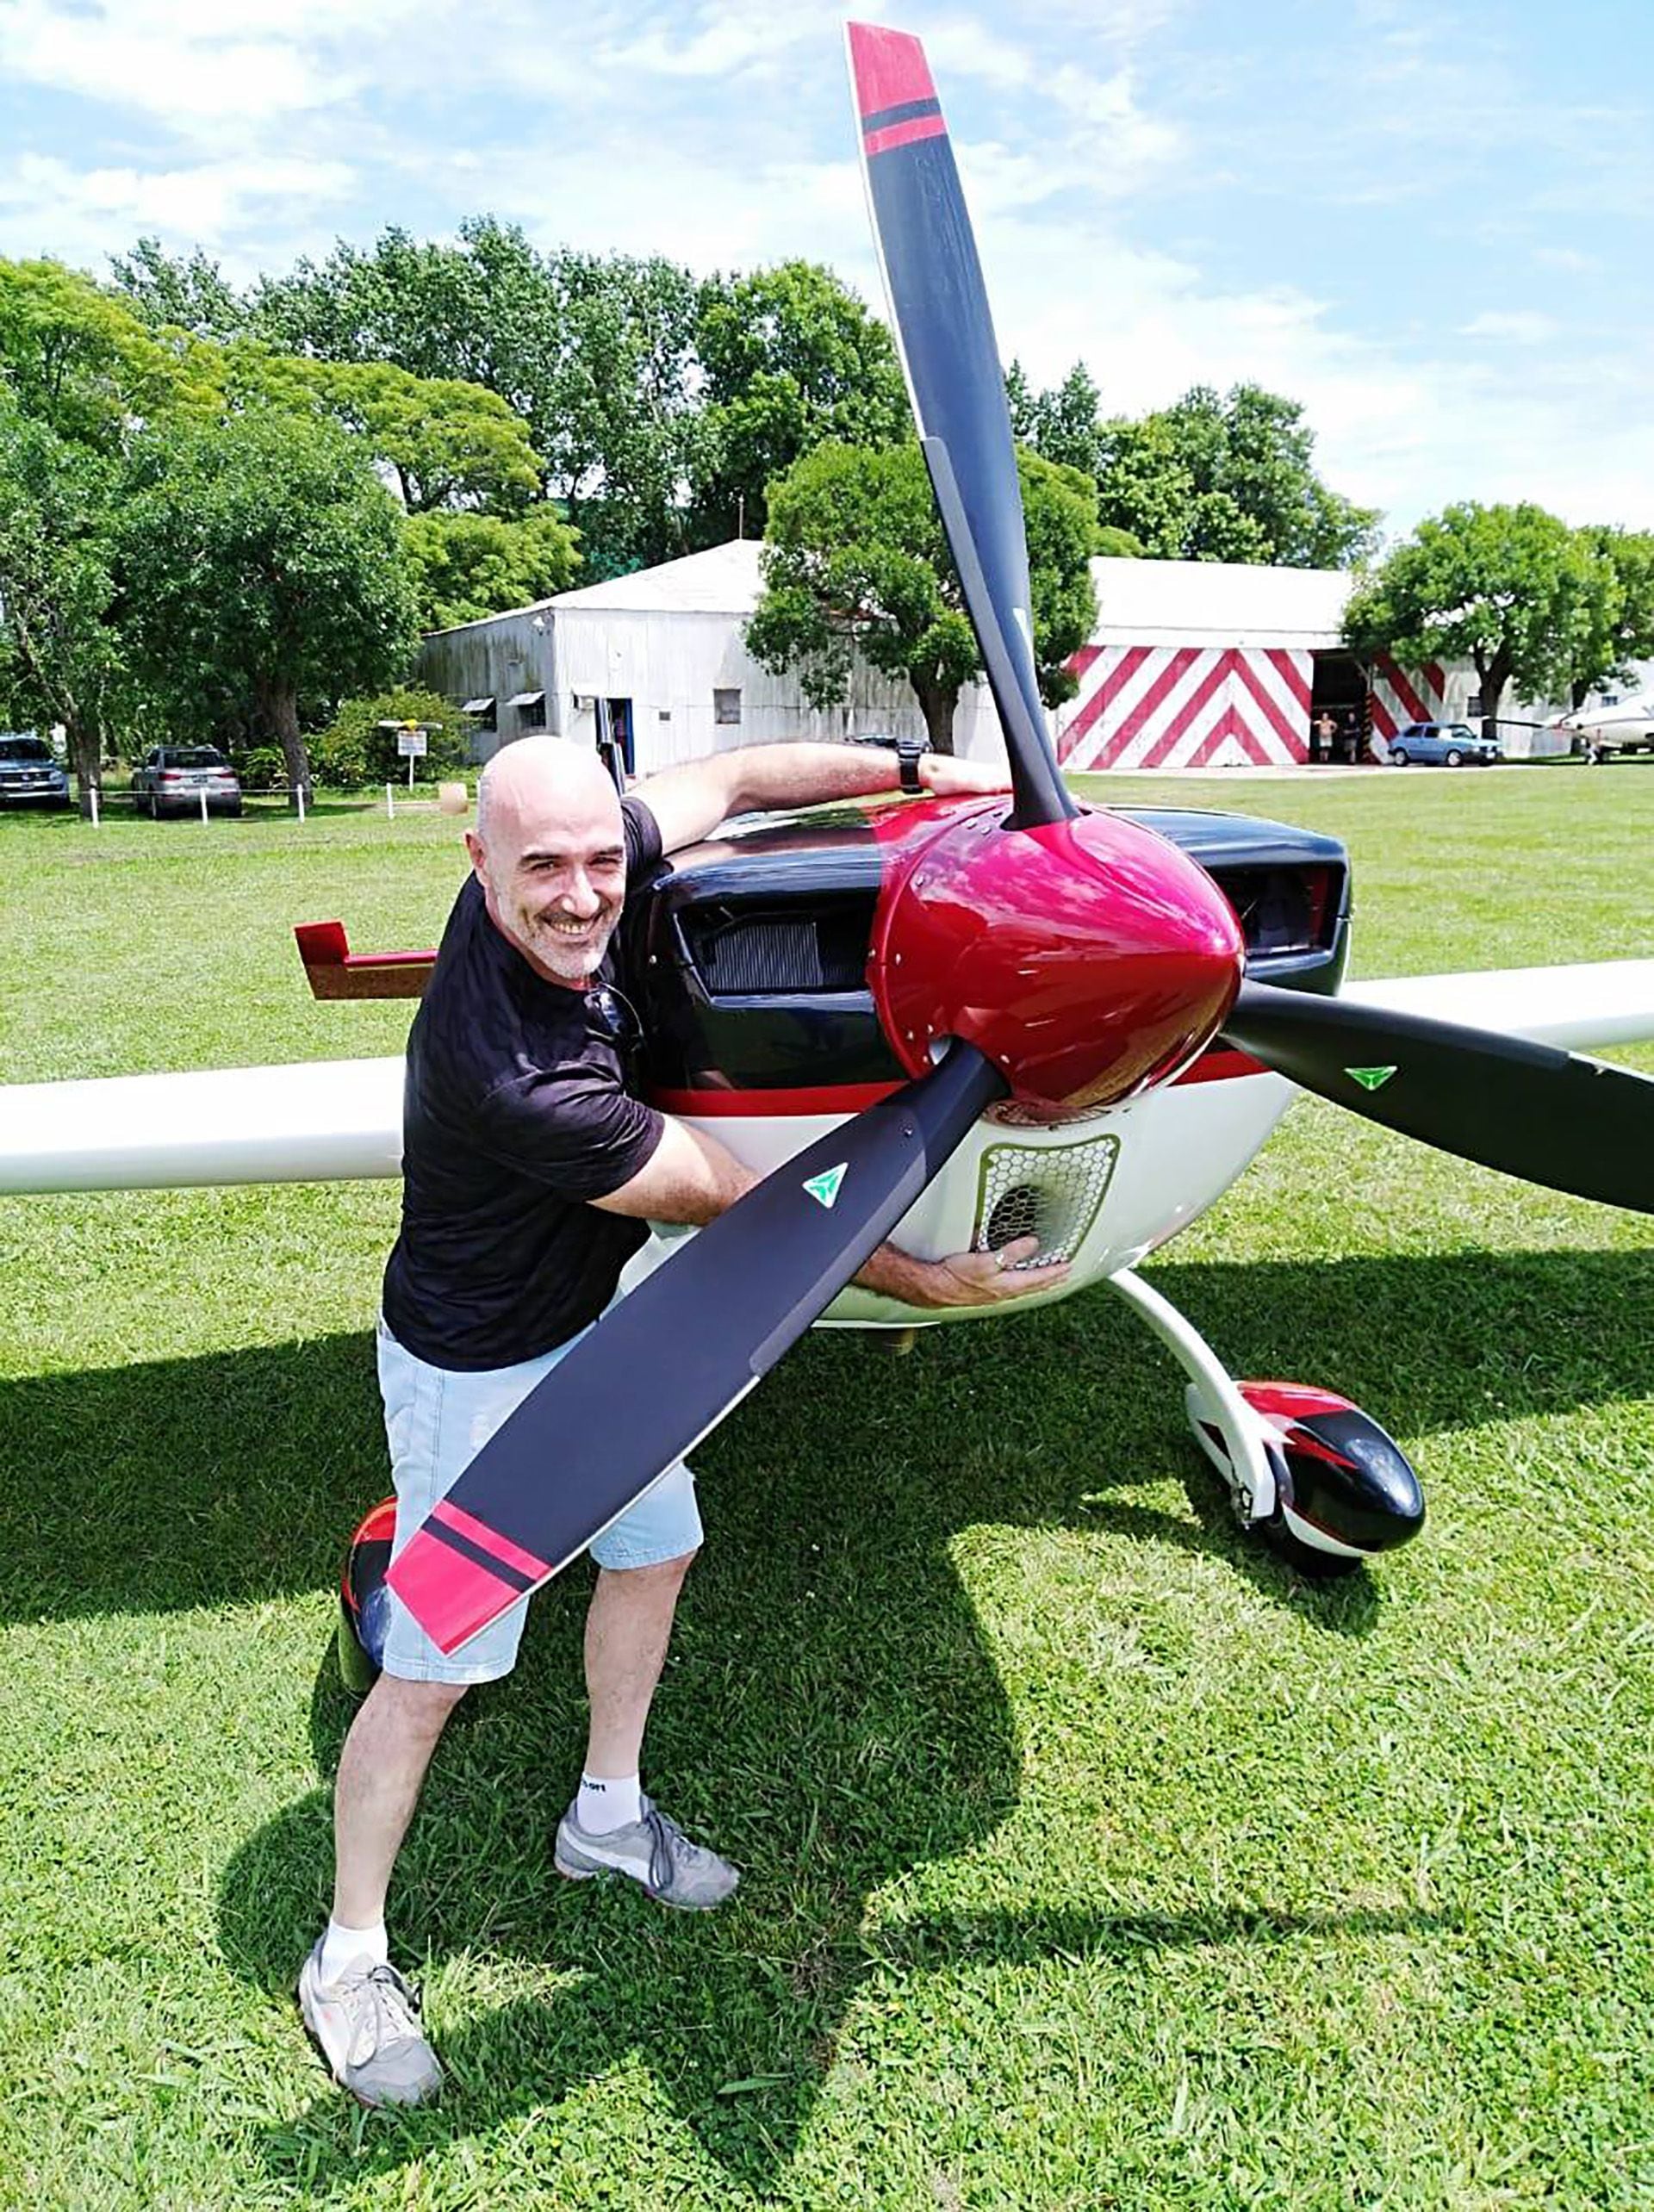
1053,1192
743,952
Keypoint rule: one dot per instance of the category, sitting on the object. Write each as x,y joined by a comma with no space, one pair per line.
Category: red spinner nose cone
1087,958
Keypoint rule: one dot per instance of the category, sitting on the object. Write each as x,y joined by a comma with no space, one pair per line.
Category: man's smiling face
550,852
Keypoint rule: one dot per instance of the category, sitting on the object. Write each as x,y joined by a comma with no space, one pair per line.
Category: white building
1193,664
664,648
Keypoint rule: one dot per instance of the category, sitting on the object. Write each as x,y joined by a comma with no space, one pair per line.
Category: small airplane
946,1022
1627,726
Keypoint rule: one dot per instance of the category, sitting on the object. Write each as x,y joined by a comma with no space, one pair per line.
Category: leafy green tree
792,360
263,563
1227,479
61,656
448,444
466,566
854,561
1063,425
79,361
595,354
1621,629
1511,589
168,292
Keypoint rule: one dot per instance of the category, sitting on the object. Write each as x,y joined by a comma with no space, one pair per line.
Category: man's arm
689,802
691,1177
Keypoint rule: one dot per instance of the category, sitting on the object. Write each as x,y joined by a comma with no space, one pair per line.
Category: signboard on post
412,741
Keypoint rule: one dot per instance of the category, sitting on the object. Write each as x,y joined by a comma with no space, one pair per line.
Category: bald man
530,1172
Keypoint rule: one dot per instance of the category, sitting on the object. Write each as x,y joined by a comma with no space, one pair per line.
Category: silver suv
30,775
174,779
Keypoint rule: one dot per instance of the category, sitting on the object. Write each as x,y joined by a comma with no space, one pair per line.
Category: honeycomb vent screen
1053,1192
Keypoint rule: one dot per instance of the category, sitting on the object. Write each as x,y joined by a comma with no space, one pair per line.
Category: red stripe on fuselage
895,134
750,1105
1217,1065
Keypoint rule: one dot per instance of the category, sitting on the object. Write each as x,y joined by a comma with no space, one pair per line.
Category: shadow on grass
831,1713
848,1728
237,1476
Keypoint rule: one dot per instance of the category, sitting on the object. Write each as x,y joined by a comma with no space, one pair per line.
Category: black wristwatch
909,751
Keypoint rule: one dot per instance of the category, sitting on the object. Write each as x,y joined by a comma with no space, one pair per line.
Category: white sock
607,1801
340,1947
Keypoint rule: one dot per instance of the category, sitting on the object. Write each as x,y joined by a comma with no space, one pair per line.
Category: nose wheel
1307,1472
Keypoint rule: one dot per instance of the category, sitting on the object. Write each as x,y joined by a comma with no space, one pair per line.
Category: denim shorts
437,1419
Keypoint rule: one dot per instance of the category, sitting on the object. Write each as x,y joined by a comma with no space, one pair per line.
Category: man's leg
611,1827
628,1627
380,1771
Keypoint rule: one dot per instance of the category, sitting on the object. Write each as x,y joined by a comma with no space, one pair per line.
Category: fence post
91,793
390,804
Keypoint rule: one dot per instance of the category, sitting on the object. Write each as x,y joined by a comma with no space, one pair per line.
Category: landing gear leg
1249,1468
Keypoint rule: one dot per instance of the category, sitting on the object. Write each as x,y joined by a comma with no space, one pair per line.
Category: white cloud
1518,325
82,215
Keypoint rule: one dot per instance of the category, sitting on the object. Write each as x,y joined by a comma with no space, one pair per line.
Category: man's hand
944,777
964,1278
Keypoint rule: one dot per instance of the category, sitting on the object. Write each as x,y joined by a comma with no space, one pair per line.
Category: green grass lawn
1090,1860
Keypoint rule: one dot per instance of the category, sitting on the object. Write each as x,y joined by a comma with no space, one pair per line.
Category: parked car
30,774
173,778
1443,744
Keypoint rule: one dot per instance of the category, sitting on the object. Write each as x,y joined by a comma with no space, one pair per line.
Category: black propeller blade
945,335
677,1353
1548,1116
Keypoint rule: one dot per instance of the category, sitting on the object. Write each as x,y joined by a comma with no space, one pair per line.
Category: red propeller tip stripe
453,1593
450,1597
510,1554
903,133
890,68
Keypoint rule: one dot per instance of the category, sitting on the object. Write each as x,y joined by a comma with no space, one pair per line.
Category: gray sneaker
654,1851
367,2027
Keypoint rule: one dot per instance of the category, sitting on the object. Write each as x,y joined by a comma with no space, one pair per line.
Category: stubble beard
573,961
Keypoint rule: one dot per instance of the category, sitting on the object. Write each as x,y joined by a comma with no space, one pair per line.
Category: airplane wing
326,1120
1590,1005
312,1122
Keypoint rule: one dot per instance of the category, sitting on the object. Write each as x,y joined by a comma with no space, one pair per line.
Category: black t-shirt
515,1113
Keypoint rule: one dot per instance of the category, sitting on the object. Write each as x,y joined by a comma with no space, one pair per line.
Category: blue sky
1431,224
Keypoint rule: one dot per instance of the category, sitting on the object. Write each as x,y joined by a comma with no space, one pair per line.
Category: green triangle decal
824,1187
1370,1079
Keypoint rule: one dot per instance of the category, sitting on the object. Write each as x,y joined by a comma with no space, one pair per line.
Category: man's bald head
550,851
539,779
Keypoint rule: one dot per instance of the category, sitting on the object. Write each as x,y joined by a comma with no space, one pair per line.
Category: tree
854,559
263,562
80,362
168,293
1063,425
466,566
1511,589
1621,631
792,360
595,353
448,444
1229,479
61,659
